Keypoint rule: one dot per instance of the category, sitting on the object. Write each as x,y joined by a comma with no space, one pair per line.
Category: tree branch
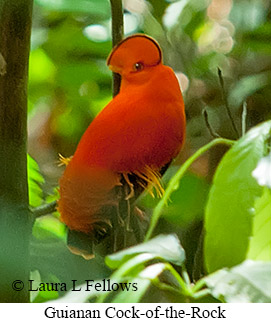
244,118
44,209
224,96
15,220
208,125
117,36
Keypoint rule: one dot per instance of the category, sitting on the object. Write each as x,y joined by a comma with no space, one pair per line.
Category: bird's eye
138,66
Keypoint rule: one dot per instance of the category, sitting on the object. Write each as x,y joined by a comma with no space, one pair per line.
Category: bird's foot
64,160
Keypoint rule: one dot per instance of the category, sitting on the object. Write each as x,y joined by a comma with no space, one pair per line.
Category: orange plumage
141,130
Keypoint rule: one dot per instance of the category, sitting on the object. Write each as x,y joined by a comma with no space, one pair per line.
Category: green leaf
38,296
175,181
151,26
132,296
75,74
248,282
41,68
35,180
49,226
66,44
84,295
129,269
142,281
258,39
182,209
260,242
247,17
94,8
247,86
34,275
230,206
166,247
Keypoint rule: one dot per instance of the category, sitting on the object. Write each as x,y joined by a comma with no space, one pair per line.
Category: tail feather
83,194
98,207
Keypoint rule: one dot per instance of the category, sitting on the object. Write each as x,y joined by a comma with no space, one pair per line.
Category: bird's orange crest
134,53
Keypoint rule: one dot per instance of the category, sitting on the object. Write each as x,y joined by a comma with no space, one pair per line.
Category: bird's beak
115,69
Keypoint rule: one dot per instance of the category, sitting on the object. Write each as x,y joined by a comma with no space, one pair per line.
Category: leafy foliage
230,207
243,283
182,208
247,282
135,266
92,7
166,247
260,242
35,181
69,84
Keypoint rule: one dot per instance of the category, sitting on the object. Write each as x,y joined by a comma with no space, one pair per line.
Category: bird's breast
143,125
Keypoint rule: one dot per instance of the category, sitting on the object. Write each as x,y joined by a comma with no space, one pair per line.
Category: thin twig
226,101
244,118
117,36
44,209
208,125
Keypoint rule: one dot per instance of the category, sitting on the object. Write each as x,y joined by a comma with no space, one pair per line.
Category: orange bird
129,142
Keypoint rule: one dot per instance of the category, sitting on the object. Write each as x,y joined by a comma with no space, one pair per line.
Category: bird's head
135,56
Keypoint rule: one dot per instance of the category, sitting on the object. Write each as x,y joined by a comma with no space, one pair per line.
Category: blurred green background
69,84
